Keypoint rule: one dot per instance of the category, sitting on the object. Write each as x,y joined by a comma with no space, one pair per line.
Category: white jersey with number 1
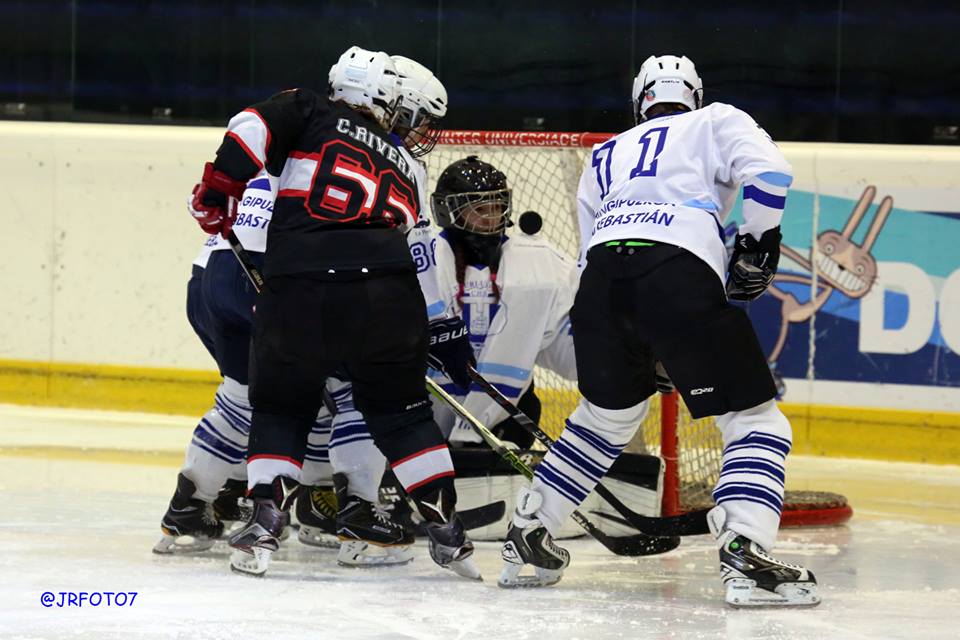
674,179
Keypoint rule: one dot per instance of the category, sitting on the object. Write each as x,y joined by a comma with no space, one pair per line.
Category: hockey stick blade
624,546
482,516
688,524
636,545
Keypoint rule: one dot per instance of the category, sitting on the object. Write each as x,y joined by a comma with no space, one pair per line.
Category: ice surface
82,521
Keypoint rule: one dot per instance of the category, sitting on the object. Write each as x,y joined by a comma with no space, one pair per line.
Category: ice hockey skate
368,536
232,504
256,542
449,546
755,579
529,542
317,514
189,525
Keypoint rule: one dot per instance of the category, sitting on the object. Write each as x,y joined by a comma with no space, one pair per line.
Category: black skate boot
260,537
395,501
529,542
449,546
317,514
232,504
755,579
189,525
364,527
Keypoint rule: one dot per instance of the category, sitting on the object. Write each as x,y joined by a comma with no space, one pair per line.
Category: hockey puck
530,222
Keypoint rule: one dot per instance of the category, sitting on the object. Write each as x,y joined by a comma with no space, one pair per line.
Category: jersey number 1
646,167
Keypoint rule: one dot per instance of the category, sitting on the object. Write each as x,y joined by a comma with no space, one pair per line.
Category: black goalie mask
473,196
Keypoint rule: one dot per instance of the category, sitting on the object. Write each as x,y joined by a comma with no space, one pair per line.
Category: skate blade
314,537
252,563
230,528
466,568
744,594
510,577
181,545
353,553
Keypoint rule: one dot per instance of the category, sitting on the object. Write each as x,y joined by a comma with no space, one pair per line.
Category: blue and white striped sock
218,449
592,441
352,451
751,484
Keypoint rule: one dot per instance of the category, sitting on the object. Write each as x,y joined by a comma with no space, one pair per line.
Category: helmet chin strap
478,249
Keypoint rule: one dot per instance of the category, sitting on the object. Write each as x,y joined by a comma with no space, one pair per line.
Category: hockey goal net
543,170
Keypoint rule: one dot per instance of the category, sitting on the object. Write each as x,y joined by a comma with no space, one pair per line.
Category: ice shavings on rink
74,522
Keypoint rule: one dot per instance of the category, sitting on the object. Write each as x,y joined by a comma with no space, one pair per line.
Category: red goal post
543,169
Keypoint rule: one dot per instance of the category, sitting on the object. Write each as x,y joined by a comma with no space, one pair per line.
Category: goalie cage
543,170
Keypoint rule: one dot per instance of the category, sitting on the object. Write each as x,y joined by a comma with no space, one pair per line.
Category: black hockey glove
450,350
753,264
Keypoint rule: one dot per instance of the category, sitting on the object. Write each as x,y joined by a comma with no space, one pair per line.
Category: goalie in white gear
655,286
513,291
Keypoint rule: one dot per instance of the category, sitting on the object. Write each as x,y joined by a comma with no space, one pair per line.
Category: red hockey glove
214,201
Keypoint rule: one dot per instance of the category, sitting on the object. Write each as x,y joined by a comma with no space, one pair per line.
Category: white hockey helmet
367,79
423,103
666,79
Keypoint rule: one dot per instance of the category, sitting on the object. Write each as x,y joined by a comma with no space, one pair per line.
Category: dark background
816,70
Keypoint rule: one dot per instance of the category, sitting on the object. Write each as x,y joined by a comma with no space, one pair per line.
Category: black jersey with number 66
345,193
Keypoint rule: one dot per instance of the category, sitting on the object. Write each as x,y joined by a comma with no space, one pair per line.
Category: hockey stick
256,278
688,524
636,545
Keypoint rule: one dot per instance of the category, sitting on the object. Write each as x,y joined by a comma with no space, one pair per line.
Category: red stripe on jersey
266,147
266,456
292,193
243,145
415,485
394,465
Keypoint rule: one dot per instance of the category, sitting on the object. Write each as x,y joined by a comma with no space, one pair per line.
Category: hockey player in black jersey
341,292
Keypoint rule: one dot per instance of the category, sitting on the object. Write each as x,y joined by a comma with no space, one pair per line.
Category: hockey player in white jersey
655,286
513,291
220,300
219,306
